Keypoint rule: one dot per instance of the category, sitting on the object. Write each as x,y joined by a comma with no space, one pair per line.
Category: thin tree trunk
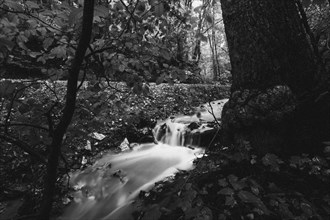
68,111
197,49
216,56
215,59
214,65
180,48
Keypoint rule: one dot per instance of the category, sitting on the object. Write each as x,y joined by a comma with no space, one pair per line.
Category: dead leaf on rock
124,146
88,145
97,136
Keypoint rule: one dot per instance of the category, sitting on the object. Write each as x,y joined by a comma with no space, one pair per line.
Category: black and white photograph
164,109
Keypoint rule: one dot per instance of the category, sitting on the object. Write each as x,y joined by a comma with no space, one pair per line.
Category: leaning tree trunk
68,111
273,68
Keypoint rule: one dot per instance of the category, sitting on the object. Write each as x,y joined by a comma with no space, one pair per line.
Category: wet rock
193,125
146,139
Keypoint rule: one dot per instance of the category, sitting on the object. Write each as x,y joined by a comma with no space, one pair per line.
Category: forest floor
231,182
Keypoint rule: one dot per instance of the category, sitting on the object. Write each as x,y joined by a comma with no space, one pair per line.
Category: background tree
274,70
207,42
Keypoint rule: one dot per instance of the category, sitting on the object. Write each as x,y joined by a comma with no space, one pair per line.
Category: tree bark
268,45
68,111
273,68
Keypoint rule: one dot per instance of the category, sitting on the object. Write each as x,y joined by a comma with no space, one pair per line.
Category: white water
106,190
175,131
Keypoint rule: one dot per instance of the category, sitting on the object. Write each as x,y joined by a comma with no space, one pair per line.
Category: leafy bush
132,42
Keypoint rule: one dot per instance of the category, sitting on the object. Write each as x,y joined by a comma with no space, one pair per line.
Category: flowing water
106,190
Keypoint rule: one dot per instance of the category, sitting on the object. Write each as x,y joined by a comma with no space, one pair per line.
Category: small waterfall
190,130
106,190
176,134
170,133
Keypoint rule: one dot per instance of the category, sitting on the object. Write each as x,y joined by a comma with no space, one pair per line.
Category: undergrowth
234,183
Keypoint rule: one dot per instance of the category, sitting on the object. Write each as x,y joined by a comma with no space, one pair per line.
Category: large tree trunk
273,68
268,45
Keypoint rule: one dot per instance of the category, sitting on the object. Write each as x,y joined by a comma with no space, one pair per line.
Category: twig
24,125
53,90
212,113
33,16
97,60
11,106
129,12
24,146
114,88
205,31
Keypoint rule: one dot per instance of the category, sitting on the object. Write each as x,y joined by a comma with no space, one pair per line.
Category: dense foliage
133,41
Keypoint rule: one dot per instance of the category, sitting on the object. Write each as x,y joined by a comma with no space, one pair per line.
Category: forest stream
107,189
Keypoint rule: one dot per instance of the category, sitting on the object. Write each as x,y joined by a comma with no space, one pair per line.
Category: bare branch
24,125
32,16
12,104
24,146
